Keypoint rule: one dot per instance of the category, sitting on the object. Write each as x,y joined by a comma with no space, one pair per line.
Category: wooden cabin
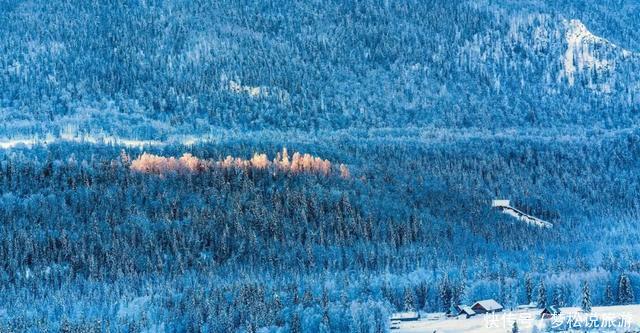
550,312
487,306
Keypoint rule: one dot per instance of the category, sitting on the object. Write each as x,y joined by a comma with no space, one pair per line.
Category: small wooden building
460,310
487,306
501,203
453,311
550,312
466,311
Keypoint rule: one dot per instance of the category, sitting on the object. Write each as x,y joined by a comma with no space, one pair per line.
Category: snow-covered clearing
528,321
418,135
579,53
9,143
586,52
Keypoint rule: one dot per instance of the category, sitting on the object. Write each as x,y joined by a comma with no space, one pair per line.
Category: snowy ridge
570,53
588,52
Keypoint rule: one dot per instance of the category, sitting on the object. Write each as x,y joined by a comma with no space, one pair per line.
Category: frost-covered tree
528,288
625,290
445,293
585,303
542,295
409,300
558,297
608,295
421,294
296,325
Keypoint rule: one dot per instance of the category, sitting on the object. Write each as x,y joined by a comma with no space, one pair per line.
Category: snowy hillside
281,166
590,54
169,68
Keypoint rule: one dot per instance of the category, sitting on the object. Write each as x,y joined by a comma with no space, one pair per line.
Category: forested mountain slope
145,69
92,244
408,116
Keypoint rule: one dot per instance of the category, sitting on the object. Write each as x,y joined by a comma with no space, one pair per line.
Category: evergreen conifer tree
625,291
586,298
542,295
528,288
558,297
608,295
409,300
296,326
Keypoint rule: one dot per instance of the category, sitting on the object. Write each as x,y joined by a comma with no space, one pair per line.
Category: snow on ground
526,218
527,320
11,143
391,134
579,53
585,53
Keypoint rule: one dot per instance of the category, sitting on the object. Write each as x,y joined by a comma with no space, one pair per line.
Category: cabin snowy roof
489,305
467,309
500,203
551,310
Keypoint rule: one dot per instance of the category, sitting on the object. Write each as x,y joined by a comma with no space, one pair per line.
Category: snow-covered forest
89,241
312,166
148,69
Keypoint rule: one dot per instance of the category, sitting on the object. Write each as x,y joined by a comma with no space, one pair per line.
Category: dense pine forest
89,243
153,68
312,166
